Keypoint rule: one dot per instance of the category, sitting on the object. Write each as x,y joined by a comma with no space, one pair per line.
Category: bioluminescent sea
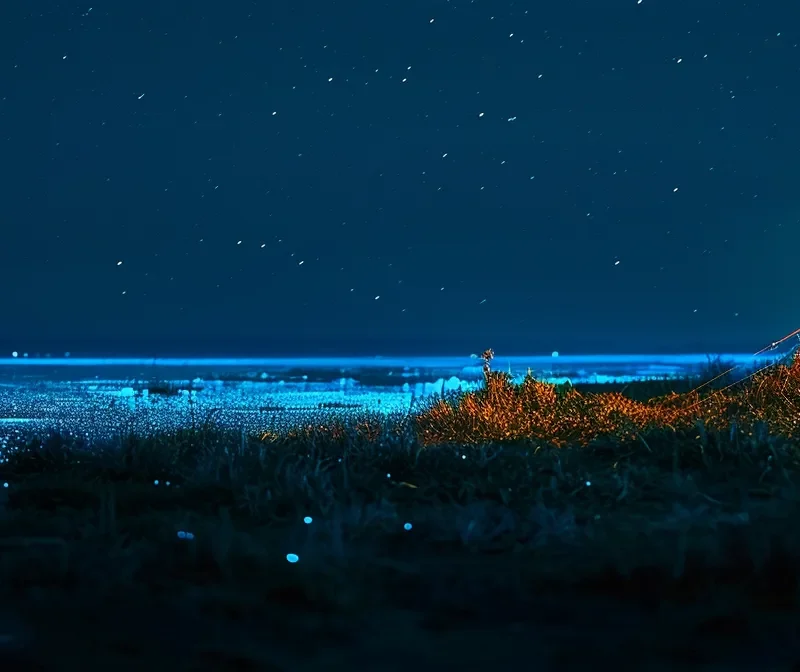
99,398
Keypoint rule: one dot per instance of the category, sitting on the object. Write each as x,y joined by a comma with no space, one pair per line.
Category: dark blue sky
399,177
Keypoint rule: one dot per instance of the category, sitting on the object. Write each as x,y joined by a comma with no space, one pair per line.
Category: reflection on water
103,398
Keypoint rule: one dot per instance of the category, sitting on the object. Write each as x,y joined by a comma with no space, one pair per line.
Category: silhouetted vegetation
527,523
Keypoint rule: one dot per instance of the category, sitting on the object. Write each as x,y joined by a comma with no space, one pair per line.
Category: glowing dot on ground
292,557
407,526
308,520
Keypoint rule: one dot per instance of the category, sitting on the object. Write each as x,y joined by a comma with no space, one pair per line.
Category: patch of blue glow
292,557
308,520
407,526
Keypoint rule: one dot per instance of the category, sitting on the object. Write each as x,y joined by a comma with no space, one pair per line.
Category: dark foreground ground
630,557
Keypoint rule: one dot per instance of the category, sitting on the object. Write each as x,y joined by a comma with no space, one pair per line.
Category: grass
517,524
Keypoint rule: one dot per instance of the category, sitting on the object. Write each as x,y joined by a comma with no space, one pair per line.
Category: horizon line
390,360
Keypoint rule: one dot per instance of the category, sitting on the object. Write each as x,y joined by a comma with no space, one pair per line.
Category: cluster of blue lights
291,558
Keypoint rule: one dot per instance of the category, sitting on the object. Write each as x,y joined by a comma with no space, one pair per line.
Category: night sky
309,178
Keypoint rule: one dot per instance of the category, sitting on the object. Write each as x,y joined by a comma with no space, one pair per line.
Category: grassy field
550,527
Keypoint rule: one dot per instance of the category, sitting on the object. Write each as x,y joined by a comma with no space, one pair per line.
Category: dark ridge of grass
677,547
495,536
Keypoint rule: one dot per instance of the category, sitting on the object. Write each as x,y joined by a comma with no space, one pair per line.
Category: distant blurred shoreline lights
578,368
591,368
